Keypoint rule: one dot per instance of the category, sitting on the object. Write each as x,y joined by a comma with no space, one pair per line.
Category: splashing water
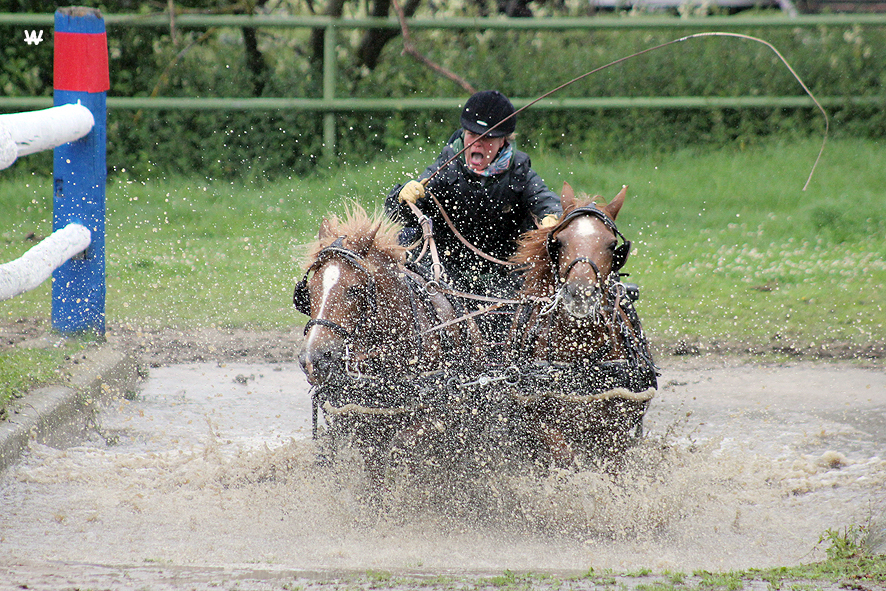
214,466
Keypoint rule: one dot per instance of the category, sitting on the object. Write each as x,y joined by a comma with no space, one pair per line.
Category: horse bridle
619,256
301,298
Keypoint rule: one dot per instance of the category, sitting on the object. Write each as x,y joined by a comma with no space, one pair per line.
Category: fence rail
401,105
204,21
329,104
34,267
31,132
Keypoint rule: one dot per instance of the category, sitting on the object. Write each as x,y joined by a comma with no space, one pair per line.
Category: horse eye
356,292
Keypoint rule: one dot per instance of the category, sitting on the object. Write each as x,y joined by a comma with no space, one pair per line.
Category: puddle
213,466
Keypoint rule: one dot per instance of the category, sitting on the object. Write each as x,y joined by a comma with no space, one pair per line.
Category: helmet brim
501,131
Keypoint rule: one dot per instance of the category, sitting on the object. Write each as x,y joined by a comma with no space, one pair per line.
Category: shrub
835,61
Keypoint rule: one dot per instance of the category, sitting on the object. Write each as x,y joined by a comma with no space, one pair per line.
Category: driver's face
481,152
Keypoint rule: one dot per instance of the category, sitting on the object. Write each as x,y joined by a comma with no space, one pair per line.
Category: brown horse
372,349
591,361
368,312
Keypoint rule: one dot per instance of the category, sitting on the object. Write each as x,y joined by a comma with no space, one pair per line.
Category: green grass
861,572
727,245
22,369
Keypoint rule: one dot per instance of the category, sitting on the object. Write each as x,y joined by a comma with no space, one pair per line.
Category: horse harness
302,301
619,256
624,318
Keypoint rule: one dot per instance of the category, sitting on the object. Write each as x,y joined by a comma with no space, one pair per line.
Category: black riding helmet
484,110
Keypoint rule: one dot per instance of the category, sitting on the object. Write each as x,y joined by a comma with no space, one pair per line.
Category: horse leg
373,441
558,447
543,431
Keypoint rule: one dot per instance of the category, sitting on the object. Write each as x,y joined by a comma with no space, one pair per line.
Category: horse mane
532,258
368,235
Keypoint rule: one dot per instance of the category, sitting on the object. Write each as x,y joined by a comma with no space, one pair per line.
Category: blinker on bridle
619,256
301,297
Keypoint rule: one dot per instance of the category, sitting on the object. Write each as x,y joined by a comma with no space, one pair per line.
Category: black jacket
490,212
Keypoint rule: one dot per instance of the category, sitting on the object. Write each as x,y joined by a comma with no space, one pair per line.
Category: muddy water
213,467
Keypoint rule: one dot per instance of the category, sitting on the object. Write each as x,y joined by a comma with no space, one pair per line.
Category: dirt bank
159,347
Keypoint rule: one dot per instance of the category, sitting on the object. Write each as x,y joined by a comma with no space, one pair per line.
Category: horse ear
370,238
362,244
325,229
567,199
615,205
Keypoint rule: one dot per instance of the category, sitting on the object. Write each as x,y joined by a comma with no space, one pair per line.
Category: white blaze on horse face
585,231
585,226
331,274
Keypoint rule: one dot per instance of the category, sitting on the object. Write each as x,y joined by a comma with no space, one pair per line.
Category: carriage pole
80,75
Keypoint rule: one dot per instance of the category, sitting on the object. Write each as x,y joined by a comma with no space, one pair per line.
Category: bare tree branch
374,40
409,48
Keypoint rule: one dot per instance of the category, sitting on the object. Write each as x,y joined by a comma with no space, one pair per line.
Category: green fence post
329,73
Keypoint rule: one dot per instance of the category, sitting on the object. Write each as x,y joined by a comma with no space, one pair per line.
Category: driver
490,193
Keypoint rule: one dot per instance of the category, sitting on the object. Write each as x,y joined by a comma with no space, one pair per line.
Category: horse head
575,265
584,252
354,292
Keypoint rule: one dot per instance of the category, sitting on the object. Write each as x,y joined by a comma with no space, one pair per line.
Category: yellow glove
412,192
549,221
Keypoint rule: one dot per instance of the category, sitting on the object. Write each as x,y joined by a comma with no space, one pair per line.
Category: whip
649,50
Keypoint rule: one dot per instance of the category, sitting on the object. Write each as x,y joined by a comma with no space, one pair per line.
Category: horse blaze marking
586,226
331,274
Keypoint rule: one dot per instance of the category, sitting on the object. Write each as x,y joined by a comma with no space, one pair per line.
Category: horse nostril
320,366
581,299
303,360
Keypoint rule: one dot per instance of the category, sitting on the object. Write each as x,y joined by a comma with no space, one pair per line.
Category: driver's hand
549,221
412,192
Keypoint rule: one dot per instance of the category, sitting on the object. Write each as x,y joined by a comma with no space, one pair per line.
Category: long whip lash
655,48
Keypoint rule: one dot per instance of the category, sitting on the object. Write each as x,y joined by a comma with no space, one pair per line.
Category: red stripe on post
81,62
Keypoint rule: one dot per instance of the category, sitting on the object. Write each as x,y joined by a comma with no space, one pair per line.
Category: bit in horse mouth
581,302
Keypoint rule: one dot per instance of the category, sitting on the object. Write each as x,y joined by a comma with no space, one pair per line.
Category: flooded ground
210,476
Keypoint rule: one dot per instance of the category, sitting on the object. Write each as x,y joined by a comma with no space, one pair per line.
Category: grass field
728,245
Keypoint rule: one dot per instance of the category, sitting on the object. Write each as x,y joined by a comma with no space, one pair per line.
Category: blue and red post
80,74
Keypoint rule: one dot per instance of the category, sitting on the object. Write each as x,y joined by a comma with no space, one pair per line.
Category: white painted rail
28,133
34,131
36,266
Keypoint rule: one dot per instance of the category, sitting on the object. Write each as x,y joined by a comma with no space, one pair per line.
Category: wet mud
212,470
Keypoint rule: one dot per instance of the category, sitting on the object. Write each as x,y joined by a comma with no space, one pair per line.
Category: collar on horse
301,298
619,257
